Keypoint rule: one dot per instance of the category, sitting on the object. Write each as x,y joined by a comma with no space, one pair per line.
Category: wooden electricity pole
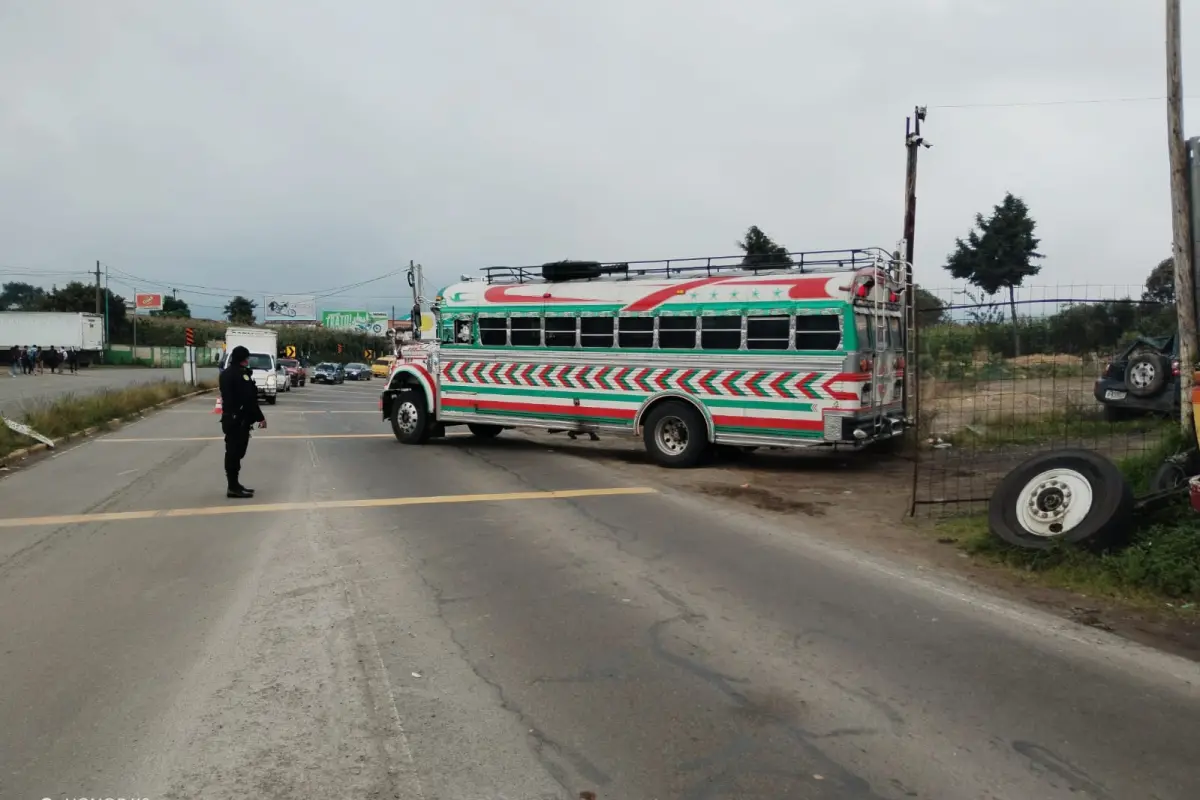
1185,295
913,142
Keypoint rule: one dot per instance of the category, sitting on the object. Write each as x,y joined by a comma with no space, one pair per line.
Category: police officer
239,413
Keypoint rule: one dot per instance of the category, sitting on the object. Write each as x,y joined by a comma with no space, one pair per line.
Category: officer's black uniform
240,412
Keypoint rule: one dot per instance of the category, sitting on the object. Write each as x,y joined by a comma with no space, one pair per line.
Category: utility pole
97,286
913,142
107,334
1185,293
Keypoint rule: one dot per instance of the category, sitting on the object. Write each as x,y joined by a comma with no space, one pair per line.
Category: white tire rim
1054,503
406,417
1143,374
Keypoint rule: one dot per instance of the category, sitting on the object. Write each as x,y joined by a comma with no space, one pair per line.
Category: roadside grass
1161,562
71,414
1072,423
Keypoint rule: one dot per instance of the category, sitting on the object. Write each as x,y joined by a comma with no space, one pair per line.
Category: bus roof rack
811,261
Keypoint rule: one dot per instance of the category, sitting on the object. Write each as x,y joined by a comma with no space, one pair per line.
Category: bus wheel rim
671,435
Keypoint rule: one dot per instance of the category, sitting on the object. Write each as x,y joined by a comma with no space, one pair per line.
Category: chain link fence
1000,379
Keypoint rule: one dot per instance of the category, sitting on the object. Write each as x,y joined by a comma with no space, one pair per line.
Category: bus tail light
865,365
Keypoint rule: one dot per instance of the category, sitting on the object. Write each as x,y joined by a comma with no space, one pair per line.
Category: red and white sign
148,302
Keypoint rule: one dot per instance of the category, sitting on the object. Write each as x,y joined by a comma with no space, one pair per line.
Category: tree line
166,328
998,254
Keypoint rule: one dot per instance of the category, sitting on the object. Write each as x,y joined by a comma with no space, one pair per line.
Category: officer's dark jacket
239,397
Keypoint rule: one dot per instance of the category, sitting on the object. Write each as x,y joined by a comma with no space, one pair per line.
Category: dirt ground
948,406
864,500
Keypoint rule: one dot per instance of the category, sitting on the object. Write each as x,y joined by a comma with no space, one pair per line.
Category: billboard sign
372,322
148,301
290,308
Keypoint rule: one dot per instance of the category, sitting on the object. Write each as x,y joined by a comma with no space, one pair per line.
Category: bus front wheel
675,435
410,417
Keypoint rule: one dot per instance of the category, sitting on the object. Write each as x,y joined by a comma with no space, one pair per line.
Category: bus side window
677,333
561,331
721,333
596,331
823,331
457,331
767,333
526,331
493,331
635,332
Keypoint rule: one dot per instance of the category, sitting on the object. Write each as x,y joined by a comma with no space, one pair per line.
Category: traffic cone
218,409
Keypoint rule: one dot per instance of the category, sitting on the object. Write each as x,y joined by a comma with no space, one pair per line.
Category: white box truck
84,332
263,344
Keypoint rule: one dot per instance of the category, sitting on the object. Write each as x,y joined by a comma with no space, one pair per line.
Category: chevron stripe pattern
749,384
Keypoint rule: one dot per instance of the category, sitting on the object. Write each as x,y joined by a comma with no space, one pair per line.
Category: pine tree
999,253
761,250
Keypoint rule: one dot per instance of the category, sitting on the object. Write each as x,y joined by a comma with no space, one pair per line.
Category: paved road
389,622
25,389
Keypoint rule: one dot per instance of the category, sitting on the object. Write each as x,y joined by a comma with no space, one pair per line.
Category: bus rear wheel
675,435
482,431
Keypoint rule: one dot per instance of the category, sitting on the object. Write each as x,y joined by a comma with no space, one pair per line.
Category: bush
73,414
1164,558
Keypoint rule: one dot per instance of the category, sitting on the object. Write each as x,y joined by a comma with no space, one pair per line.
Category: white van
263,344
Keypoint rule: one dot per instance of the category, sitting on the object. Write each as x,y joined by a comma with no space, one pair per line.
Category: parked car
358,372
1144,379
282,380
382,367
297,374
328,372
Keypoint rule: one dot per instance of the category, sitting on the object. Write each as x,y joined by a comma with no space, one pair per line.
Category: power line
219,291
1074,102
41,273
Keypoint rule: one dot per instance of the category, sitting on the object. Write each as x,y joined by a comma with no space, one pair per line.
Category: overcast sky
286,146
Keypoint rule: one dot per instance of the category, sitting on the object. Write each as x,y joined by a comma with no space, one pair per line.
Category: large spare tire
1070,496
1146,374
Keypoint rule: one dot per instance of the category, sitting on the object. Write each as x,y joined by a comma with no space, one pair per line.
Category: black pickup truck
1144,379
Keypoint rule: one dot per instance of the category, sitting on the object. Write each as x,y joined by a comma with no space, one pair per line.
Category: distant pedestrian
14,360
239,414
73,360
26,361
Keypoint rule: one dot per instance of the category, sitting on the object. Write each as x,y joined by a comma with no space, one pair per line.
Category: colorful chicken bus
688,354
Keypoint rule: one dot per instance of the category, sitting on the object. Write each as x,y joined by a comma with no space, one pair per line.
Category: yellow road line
314,505
257,438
